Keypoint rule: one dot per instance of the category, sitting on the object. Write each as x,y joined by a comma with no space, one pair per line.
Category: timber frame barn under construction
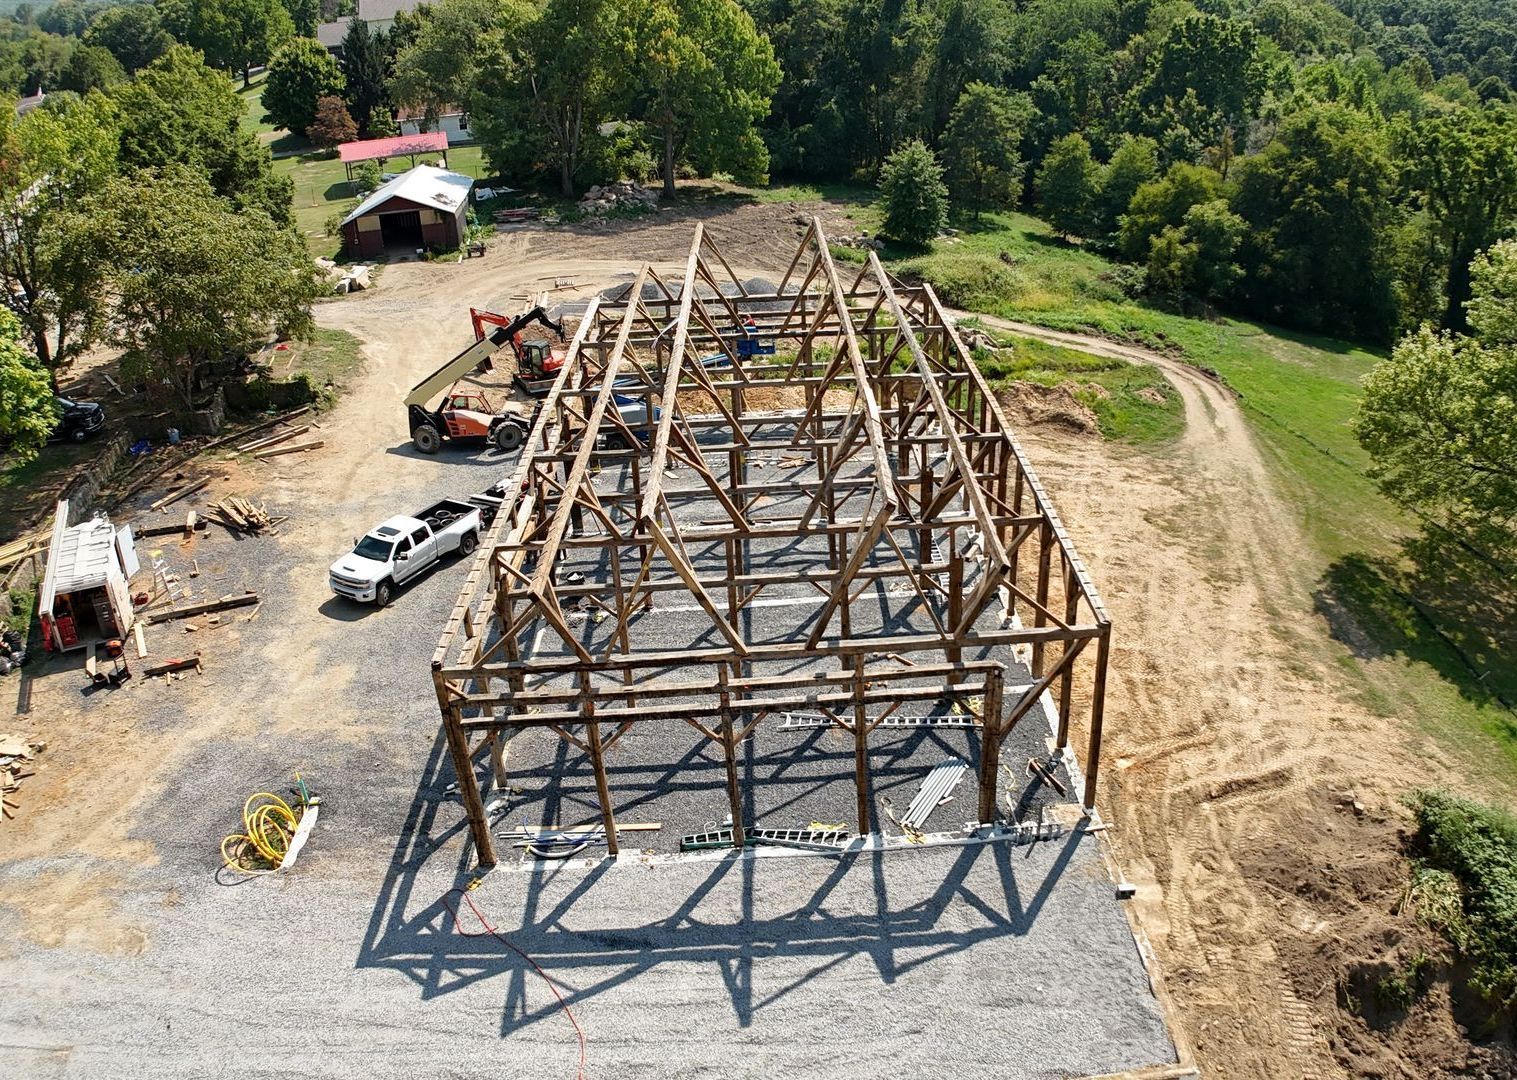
820,480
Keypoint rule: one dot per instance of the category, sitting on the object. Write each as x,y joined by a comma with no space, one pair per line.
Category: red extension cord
491,931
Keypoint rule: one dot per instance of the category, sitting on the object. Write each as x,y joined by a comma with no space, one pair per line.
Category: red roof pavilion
428,142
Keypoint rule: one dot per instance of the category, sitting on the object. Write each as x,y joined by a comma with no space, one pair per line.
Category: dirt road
1234,750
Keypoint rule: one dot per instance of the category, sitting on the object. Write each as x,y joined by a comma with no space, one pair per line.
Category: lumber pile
273,440
516,215
244,516
19,550
16,756
275,451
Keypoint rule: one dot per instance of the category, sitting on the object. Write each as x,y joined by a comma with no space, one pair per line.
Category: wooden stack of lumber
15,766
245,516
18,551
517,214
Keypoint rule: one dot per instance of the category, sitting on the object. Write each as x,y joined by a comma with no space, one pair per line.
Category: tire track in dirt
1221,729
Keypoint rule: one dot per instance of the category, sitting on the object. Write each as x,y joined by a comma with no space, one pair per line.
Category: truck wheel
467,545
507,437
78,434
426,439
382,593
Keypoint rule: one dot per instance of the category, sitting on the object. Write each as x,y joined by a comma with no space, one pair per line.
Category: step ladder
164,583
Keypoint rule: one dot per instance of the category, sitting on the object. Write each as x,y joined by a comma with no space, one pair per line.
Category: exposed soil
1035,405
1234,758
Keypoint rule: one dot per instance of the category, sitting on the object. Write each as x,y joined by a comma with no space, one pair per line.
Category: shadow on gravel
725,914
340,609
474,455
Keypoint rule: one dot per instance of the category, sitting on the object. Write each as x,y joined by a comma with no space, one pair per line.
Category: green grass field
1429,630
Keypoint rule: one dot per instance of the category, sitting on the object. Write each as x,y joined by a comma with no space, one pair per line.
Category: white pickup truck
402,548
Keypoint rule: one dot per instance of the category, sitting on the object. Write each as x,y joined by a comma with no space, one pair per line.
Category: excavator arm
512,325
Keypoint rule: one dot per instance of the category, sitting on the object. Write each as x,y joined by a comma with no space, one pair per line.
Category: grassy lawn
1133,403
1429,629
254,118
322,189
331,359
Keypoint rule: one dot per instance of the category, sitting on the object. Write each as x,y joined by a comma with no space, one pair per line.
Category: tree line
1340,167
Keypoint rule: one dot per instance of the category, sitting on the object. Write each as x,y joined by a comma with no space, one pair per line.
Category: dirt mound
1034,405
1391,998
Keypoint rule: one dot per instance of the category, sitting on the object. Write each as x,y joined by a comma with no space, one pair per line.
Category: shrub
916,199
1478,845
367,177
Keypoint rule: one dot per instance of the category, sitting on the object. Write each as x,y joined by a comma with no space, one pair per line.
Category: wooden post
1097,714
860,745
468,785
598,762
990,746
955,591
1045,552
1067,679
729,754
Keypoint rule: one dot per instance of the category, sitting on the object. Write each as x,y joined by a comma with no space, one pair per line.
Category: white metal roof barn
423,207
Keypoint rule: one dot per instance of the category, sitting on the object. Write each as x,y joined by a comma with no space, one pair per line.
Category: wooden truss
902,481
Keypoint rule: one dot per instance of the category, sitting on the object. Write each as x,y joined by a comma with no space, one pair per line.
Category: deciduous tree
982,147
1493,284
89,68
332,125
706,75
49,160
234,35
193,278
1134,163
300,74
1439,419
1320,205
1465,164
1164,202
1066,186
27,412
548,79
132,33
178,110
440,65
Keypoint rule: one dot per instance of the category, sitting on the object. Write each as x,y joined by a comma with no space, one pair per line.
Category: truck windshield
371,547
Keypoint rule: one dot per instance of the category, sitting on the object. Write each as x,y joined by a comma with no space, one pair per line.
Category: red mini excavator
534,359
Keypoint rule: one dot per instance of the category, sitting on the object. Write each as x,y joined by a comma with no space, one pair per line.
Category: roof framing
905,482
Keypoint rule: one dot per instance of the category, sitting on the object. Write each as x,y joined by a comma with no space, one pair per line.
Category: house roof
419,112
379,10
425,185
395,146
331,34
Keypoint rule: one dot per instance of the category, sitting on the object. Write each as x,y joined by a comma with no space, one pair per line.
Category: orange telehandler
468,414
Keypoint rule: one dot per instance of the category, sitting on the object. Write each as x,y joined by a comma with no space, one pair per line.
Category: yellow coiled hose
270,825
